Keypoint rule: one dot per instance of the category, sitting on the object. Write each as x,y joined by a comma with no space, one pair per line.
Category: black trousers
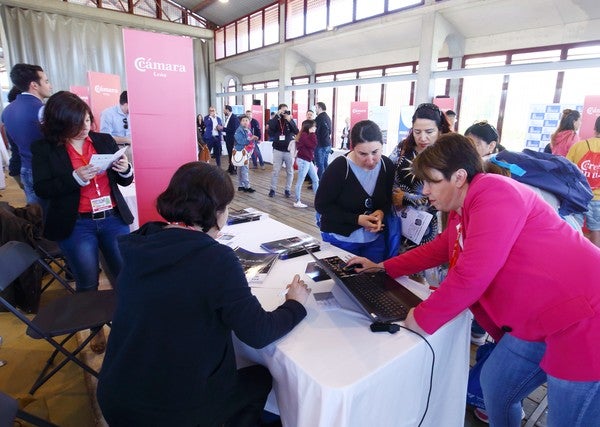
229,143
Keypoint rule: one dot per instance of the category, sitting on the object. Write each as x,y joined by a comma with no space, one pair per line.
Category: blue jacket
208,121
241,137
23,124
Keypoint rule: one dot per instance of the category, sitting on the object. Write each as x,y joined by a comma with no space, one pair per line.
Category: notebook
377,294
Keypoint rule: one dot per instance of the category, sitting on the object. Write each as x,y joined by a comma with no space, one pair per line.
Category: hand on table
297,290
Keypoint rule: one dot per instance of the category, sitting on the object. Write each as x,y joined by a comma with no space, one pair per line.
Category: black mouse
351,268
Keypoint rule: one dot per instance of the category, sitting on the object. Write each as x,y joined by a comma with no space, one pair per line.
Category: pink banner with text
591,110
359,110
104,92
83,92
161,95
258,115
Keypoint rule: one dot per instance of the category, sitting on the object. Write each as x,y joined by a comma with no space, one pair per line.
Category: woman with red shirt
86,211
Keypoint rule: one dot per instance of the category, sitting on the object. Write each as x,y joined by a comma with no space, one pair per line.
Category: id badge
101,204
282,137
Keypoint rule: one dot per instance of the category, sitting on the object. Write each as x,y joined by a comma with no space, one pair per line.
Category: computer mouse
351,268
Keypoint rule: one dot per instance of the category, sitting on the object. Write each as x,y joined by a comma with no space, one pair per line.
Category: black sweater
170,354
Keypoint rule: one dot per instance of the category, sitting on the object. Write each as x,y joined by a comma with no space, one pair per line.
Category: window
272,24
370,92
294,25
368,8
401,4
533,57
230,48
256,30
242,35
316,15
579,83
220,43
485,61
480,100
340,12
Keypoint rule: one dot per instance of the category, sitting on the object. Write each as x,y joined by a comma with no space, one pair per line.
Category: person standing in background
14,163
213,133
282,129
231,124
323,138
565,135
22,118
345,134
115,121
256,154
586,155
451,116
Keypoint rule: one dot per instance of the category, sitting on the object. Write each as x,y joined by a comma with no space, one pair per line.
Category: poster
543,121
104,91
591,111
359,110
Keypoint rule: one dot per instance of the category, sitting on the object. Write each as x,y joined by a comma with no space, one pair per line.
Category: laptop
377,294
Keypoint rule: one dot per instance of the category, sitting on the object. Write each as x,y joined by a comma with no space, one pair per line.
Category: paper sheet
104,161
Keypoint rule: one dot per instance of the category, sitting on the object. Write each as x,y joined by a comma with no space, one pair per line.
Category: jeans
573,403
321,159
81,249
27,181
214,145
243,180
256,154
306,168
280,157
375,250
508,376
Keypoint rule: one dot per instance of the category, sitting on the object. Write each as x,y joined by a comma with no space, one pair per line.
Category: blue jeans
243,180
512,372
27,181
321,159
214,145
81,249
375,250
256,154
305,168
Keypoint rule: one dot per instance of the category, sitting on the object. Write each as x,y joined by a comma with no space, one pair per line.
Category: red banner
104,92
161,95
591,110
359,110
258,115
83,92
444,104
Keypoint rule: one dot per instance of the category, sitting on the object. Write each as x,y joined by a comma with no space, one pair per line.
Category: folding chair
62,316
9,412
52,255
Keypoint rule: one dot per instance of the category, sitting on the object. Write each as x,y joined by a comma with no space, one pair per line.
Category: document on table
414,223
104,161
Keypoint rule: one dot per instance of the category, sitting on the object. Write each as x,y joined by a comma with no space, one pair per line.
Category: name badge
101,204
282,137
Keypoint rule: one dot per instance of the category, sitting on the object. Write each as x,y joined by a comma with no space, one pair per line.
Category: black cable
431,374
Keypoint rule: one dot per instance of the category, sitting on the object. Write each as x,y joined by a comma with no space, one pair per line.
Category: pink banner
591,110
83,92
359,110
160,90
445,104
258,115
104,92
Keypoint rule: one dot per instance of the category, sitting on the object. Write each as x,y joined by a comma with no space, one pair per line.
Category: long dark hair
567,122
365,131
64,117
430,112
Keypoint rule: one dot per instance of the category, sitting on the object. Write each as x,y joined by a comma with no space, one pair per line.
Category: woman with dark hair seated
170,357
543,311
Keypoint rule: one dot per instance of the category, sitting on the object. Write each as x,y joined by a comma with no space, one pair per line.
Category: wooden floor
72,408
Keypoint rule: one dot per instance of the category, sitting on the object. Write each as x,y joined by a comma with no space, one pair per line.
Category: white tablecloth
129,195
266,149
332,371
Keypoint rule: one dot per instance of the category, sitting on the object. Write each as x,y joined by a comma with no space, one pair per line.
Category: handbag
292,148
239,158
203,153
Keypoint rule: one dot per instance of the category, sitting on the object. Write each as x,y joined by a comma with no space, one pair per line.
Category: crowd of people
542,310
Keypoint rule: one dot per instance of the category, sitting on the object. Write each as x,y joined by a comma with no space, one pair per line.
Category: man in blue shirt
115,121
22,118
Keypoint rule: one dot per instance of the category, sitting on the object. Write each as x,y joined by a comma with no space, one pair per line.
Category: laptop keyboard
368,288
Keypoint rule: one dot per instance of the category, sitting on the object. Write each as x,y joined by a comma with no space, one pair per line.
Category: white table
332,371
266,149
128,193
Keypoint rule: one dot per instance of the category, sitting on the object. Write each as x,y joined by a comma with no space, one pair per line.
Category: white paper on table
104,161
326,301
414,223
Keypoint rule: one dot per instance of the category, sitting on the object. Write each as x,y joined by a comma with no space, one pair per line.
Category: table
128,193
332,371
266,149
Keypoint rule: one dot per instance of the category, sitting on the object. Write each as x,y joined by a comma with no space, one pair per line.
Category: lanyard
282,125
85,152
457,246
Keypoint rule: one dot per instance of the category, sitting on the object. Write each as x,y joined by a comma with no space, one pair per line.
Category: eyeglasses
369,206
125,124
484,123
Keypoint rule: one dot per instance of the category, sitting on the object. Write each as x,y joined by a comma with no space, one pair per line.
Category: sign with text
161,95
359,110
591,111
543,121
258,115
83,92
105,90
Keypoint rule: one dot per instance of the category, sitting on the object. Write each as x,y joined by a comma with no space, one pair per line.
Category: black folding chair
10,412
62,316
52,255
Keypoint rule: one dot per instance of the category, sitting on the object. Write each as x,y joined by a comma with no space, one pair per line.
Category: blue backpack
554,174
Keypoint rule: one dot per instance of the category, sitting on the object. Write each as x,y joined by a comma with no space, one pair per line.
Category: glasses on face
125,124
368,206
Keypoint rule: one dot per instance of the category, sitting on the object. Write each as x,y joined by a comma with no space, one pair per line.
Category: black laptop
378,295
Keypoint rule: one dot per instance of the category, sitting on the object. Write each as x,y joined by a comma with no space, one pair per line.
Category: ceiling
223,13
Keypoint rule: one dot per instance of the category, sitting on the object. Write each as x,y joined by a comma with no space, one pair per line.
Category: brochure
104,161
414,223
292,246
238,217
256,266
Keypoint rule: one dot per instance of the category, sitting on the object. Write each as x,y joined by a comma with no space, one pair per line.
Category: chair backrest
15,258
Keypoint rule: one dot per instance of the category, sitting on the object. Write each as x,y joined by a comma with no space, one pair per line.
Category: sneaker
272,193
249,190
287,194
262,167
481,415
299,204
241,189
478,339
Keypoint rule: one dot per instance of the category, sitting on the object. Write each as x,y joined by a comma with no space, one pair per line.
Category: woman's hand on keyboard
361,264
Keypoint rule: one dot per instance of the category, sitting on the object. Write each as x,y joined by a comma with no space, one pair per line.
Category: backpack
554,174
